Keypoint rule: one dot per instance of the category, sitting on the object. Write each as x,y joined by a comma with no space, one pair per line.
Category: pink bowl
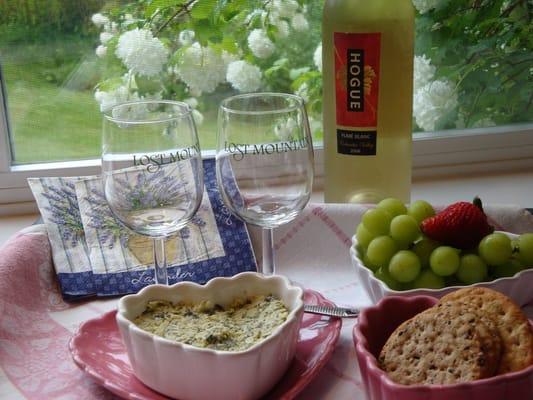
372,331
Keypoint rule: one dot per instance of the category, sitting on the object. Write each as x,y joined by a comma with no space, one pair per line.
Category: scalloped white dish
98,350
179,370
517,287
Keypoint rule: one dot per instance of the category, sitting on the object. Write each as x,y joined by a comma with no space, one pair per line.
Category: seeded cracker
432,348
491,343
513,326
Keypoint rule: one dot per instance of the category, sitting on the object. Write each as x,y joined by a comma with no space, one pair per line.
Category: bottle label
357,57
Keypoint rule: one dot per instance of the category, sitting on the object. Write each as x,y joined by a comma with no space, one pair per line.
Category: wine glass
264,161
152,170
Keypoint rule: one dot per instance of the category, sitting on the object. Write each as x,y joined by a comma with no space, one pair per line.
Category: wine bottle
367,57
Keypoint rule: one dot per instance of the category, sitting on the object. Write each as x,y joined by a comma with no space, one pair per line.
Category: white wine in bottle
367,57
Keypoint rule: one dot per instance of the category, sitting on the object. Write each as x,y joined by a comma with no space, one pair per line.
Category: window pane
49,70
474,63
64,61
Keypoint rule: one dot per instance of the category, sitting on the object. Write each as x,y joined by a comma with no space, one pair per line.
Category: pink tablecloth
36,324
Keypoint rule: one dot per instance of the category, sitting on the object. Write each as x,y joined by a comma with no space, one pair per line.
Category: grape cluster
391,244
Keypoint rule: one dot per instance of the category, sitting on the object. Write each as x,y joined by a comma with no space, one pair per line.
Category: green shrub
28,20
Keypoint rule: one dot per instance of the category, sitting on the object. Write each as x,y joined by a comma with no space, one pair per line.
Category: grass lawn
52,112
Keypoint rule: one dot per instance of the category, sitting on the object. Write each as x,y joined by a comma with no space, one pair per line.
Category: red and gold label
357,72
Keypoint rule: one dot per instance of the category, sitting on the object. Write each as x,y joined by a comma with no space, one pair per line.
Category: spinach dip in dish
236,327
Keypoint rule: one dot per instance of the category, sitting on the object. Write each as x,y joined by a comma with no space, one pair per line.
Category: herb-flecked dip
235,327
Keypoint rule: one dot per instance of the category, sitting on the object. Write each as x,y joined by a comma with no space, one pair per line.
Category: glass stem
160,261
268,267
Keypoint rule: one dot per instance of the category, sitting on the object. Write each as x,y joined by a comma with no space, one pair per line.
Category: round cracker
491,343
512,324
431,348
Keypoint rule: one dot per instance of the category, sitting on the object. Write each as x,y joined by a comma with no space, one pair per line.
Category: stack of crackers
472,333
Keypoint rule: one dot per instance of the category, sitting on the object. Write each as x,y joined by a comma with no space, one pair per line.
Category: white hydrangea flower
299,23
283,28
198,117
106,37
191,101
201,68
152,96
142,53
260,43
113,27
99,20
254,14
113,97
317,57
101,51
131,112
228,58
243,76
433,101
423,72
186,37
195,92
284,129
303,92
284,8
270,17
128,20
423,6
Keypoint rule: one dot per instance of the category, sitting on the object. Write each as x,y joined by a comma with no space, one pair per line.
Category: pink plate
97,348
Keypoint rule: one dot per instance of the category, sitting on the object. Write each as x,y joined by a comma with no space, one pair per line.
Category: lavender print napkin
213,244
57,201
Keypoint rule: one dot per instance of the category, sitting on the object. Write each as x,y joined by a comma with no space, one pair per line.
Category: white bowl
517,287
191,373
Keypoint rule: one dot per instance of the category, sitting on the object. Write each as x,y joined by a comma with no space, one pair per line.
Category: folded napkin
95,255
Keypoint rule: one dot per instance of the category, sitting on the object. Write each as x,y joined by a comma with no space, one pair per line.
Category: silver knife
342,312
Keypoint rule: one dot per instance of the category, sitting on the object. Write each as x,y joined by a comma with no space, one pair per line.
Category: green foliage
23,20
486,48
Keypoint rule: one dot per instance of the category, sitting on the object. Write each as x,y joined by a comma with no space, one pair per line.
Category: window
62,62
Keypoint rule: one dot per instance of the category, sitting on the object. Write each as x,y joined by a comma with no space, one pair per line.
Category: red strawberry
460,225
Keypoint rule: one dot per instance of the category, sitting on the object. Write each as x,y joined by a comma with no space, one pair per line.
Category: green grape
423,249
377,221
428,280
363,236
420,210
408,285
393,206
525,249
403,245
383,275
472,269
404,229
452,281
444,260
495,249
369,264
380,250
404,266
510,268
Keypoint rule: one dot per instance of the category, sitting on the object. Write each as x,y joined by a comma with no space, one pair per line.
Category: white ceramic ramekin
189,373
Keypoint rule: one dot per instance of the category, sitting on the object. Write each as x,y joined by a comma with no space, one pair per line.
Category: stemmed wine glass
152,170
264,161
